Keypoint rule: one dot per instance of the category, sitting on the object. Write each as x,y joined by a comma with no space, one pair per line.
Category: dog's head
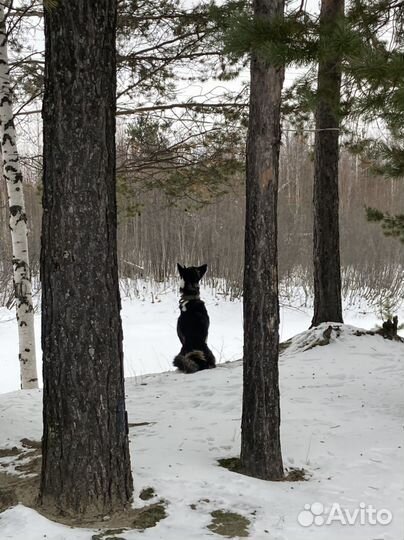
190,278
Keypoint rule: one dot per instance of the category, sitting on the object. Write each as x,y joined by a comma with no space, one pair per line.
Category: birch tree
18,221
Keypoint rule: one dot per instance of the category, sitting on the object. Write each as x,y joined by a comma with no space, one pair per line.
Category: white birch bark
18,222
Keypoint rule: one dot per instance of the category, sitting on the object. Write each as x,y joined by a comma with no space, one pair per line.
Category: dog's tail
193,361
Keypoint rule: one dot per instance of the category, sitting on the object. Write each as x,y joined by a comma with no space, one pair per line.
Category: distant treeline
160,232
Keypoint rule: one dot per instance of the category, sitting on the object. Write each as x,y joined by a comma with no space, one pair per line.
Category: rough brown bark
260,441
326,250
86,465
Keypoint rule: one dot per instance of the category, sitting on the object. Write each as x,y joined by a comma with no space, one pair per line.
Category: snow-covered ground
156,307
342,421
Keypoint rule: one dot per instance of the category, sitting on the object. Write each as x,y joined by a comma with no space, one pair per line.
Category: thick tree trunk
86,465
326,253
18,222
260,442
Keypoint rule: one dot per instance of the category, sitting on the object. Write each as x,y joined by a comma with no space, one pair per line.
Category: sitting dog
193,323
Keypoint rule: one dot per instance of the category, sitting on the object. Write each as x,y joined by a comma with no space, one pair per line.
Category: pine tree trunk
260,441
326,251
18,222
86,466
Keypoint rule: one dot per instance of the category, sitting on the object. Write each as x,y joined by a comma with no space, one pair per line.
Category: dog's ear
180,269
202,270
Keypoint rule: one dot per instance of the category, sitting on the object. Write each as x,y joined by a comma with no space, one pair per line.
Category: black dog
193,324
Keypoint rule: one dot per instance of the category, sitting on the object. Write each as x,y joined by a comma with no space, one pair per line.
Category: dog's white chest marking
184,305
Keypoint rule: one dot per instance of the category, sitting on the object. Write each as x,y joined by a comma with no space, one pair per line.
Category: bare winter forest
156,230
188,186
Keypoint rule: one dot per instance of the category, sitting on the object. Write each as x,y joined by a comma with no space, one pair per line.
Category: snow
342,412
156,306
342,408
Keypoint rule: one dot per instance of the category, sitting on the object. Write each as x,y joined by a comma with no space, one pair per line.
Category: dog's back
193,326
